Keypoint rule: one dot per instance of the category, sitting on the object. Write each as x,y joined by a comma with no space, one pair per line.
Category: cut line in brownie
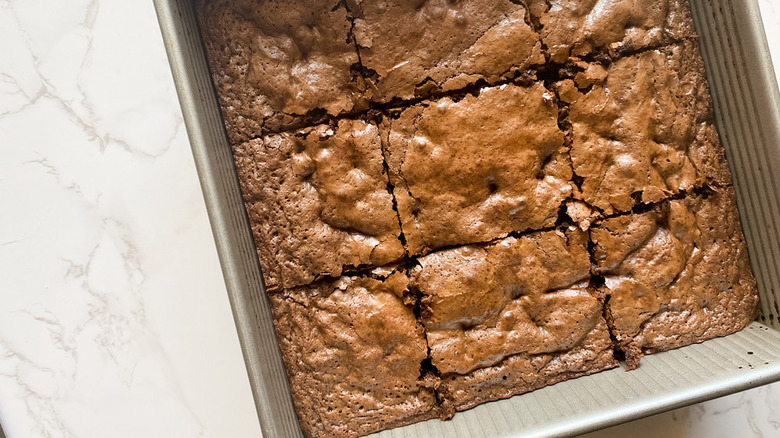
279,64
353,352
475,169
583,28
318,202
411,49
675,275
642,129
511,316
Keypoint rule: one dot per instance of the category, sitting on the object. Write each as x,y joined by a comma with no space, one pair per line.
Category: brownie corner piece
474,169
511,316
353,352
277,64
677,274
455,44
642,129
582,28
318,202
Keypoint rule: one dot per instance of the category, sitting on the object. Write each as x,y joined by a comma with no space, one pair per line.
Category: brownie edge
512,316
414,49
353,352
279,64
644,130
318,202
524,372
675,275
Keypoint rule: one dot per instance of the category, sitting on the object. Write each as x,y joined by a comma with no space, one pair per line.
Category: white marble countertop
114,320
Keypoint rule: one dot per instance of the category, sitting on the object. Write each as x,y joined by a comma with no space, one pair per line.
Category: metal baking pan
747,105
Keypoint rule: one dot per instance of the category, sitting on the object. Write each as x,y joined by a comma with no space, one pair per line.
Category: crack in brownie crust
353,350
455,44
676,275
318,202
476,169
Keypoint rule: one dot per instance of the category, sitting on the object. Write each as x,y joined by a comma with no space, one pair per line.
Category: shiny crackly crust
478,168
586,27
642,129
413,48
512,316
353,350
278,64
318,202
677,274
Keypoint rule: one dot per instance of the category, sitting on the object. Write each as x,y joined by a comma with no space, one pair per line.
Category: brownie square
587,27
525,372
318,202
278,64
676,274
642,129
475,169
512,316
353,352
411,49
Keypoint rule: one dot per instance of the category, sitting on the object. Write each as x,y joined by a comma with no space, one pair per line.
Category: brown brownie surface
475,169
512,316
353,352
642,129
587,27
677,274
318,202
273,62
412,48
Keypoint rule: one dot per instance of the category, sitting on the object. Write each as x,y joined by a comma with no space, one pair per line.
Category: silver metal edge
660,403
762,84
763,72
227,216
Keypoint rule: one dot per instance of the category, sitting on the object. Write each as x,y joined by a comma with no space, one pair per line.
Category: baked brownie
278,64
475,169
512,316
468,180
675,275
353,352
318,202
587,27
412,48
642,129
